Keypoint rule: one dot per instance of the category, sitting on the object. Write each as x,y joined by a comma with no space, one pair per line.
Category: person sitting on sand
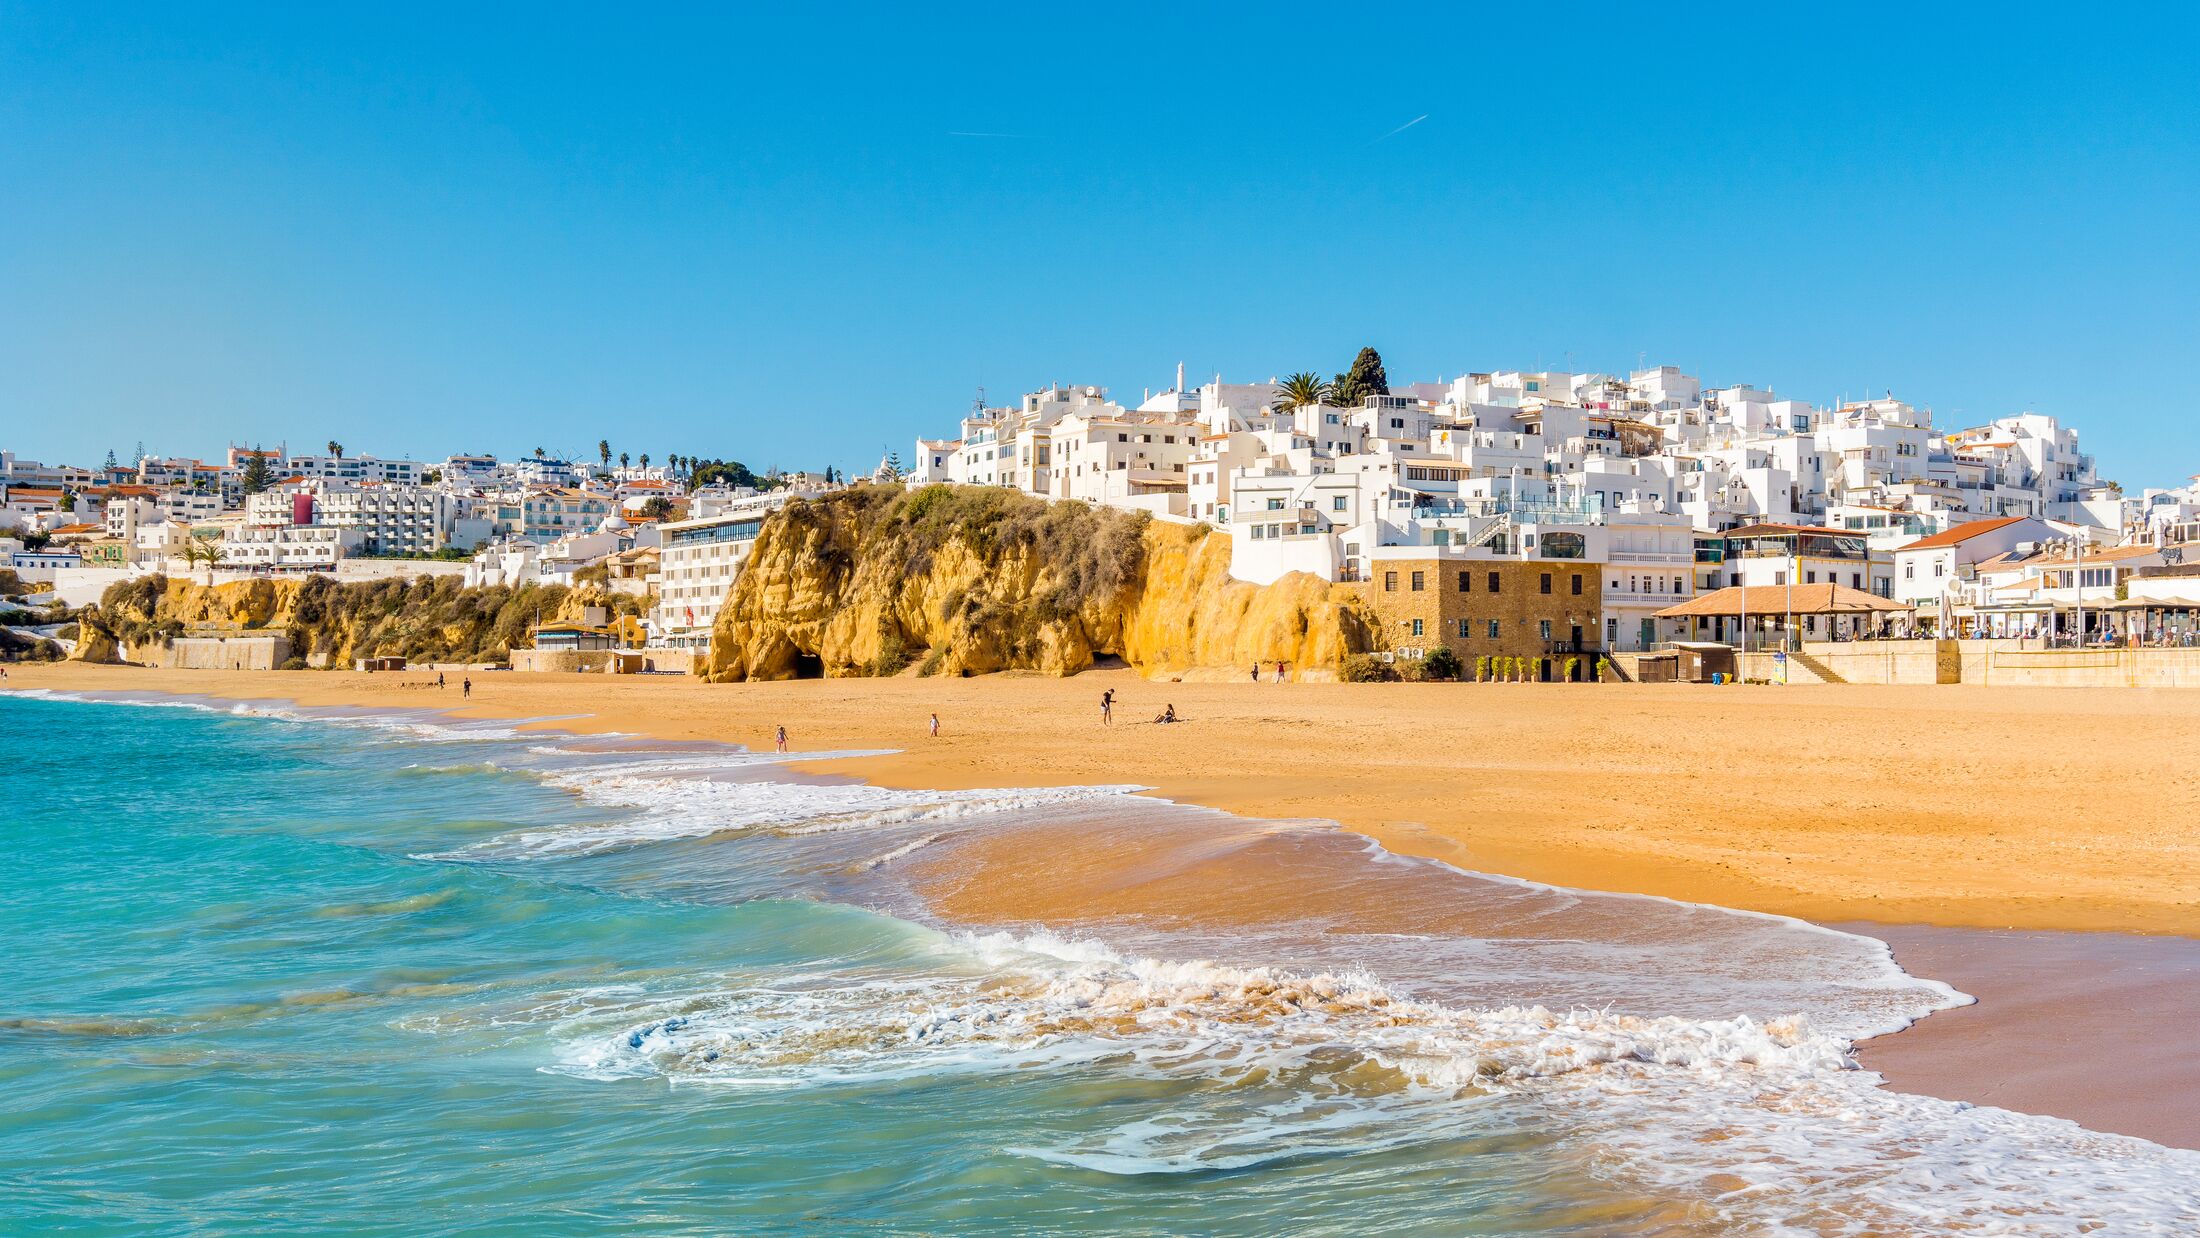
1167,715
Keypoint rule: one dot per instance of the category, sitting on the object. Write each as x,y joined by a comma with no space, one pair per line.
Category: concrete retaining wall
228,653
585,661
2089,668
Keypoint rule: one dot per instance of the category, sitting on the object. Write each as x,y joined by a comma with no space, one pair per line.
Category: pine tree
1364,379
257,476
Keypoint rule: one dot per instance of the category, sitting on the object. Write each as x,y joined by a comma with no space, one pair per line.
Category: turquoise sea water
373,975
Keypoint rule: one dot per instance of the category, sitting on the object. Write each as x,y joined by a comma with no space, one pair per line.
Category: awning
1826,599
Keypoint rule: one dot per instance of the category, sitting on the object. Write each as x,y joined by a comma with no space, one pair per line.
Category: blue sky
762,236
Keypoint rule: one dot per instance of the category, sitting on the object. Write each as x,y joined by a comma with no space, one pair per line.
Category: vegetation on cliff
423,618
968,580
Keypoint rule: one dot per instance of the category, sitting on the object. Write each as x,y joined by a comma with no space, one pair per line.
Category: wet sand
2095,1027
2069,814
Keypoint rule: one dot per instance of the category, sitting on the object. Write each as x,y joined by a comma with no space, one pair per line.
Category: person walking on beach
935,726
782,739
439,679
1256,672
465,687
1107,708
1279,672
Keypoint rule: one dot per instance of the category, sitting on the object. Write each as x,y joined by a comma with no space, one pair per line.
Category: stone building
1488,607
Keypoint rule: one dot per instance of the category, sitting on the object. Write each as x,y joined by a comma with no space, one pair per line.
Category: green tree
1441,663
1301,389
1364,379
257,476
658,507
645,461
336,449
539,453
206,550
623,459
603,450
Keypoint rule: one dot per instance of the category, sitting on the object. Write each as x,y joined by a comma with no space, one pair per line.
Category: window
1940,569
1577,584
1122,438
1856,580
1466,581
1545,587
1493,629
1909,571
1466,628
1417,583
1390,582
1677,585
1493,582
1336,504
1810,578
1544,629
1416,627
1275,505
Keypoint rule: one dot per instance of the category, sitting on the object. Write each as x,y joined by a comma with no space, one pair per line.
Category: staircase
1803,668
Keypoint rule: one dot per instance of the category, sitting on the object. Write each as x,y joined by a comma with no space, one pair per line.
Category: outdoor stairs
1803,668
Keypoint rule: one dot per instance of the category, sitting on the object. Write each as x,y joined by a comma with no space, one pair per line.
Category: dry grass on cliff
1091,553
423,618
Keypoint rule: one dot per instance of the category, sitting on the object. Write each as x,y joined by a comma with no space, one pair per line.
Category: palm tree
1301,389
645,461
205,550
336,449
623,458
603,449
538,453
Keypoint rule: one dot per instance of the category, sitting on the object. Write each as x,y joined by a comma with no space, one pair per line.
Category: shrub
1482,669
1604,669
294,664
931,664
1573,666
894,655
1363,668
1441,663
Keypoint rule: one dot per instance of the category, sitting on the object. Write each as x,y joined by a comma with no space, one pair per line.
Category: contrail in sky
1401,129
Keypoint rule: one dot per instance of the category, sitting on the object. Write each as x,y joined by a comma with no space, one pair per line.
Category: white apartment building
288,547
699,560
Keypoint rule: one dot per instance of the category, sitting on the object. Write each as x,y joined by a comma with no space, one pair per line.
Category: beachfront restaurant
1757,617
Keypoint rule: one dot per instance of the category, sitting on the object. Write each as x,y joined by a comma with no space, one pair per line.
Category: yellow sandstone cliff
968,581
427,619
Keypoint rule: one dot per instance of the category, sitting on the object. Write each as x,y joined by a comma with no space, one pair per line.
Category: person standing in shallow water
781,739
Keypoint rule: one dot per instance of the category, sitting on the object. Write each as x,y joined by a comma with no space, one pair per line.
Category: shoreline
1800,801
2036,981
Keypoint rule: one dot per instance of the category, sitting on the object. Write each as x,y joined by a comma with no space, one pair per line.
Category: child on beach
782,739
935,726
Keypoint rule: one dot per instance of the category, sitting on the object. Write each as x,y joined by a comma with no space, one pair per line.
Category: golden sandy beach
1953,805
1953,808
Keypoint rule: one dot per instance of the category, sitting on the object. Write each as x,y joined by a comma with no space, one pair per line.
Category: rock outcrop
426,619
952,581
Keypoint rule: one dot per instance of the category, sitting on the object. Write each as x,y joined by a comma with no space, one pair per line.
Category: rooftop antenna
978,405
